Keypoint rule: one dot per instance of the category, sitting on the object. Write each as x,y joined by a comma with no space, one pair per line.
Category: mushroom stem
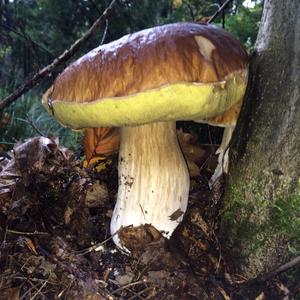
153,180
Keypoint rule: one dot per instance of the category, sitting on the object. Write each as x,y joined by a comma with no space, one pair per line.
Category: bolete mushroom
143,83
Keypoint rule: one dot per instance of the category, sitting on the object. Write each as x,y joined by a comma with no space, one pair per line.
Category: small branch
129,285
40,289
26,233
30,83
283,268
190,8
98,245
104,32
223,15
218,11
32,124
27,38
259,280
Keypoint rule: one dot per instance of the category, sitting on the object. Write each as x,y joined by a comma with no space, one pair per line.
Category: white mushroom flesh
153,180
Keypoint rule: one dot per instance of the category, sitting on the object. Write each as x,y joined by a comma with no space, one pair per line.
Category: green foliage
28,118
245,24
34,32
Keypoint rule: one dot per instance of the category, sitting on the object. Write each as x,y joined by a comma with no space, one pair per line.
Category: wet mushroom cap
182,71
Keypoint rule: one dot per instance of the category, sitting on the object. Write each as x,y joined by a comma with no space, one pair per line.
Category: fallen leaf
68,215
224,294
261,296
30,245
96,196
10,294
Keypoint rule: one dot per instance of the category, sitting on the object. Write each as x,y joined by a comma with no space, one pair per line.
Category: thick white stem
153,179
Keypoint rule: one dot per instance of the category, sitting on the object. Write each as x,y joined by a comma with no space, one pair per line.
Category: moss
261,218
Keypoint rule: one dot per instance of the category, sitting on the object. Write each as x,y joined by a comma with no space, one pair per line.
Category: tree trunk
261,215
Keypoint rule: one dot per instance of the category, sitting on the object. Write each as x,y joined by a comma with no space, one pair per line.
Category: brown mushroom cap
156,62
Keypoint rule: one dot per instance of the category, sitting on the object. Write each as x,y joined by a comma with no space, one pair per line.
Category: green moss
255,214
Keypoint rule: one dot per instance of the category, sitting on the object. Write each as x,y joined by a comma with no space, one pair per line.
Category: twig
128,286
31,123
266,276
26,233
283,268
223,15
27,38
33,81
94,247
104,32
34,279
218,11
5,235
6,143
190,8
135,295
40,289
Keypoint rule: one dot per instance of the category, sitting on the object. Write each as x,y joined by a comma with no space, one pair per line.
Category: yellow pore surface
182,101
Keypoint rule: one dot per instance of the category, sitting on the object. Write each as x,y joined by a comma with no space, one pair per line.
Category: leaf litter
55,241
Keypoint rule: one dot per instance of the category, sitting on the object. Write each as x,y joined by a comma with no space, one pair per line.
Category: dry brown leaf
224,294
96,196
30,245
10,294
100,143
176,214
261,296
68,215
94,297
191,150
197,219
282,288
190,146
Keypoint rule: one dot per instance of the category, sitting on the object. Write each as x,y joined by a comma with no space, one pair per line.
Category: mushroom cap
181,71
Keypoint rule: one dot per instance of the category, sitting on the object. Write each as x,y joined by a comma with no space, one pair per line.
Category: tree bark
260,220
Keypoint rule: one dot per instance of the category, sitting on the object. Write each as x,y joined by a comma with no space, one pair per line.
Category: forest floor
55,241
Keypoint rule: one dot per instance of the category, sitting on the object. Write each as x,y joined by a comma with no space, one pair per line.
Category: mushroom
143,83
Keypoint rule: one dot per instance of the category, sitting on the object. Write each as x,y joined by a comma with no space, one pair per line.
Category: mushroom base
153,180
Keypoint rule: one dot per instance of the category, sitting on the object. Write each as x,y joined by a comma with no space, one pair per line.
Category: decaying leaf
68,215
197,219
100,143
176,215
10,294
261,296
192,151
96,195
30,245
224,294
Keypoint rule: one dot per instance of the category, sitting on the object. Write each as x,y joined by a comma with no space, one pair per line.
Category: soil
55,241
